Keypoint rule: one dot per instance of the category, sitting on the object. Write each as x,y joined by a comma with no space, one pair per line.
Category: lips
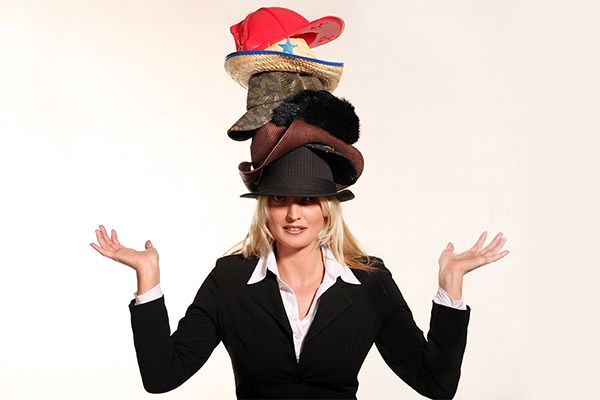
294,229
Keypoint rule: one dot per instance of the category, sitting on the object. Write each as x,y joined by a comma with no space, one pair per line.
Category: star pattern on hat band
288,47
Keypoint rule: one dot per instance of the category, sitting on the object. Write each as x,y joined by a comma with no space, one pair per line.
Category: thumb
450,246
148,244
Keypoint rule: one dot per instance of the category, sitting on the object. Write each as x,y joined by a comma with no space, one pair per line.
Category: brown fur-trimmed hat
315,119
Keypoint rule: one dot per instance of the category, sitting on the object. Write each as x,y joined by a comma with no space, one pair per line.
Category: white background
475,115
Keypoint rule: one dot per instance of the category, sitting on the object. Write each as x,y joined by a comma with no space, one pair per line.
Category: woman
299,304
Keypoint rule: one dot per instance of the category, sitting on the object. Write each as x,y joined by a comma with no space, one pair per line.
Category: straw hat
278,39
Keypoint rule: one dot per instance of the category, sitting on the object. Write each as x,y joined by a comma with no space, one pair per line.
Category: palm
473,258
111,248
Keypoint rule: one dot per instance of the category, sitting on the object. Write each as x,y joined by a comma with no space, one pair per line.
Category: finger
101,239
500,244
107,246
493,243
106,240
100,250
479,242
497,256
104,234
113,235
496,248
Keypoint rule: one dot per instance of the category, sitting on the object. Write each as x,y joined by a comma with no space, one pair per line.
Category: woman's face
294,222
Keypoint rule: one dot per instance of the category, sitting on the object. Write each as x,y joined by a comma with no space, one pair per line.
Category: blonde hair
335,235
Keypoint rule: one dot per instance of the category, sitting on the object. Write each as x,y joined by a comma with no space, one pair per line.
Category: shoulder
377,271
377,265
375,262
234,267
382,284
379,284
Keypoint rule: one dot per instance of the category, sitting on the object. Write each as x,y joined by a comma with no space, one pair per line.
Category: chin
296,243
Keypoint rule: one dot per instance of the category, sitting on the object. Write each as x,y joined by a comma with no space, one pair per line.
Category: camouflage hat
266,91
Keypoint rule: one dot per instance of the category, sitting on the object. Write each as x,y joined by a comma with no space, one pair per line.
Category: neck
301,266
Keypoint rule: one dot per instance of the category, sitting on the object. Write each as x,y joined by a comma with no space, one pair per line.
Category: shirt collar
332,268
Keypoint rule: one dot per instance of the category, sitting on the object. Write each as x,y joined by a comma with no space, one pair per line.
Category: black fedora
300,172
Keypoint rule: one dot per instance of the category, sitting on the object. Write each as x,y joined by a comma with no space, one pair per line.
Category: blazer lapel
332,303
266,294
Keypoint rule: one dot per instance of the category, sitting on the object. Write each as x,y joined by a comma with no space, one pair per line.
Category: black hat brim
343,195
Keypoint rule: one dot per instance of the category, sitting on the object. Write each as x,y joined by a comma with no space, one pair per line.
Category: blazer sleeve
165,360
432,366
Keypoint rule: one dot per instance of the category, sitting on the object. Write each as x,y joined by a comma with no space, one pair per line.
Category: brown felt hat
266,91
272,141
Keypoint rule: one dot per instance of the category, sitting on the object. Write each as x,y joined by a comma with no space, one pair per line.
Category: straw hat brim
242,65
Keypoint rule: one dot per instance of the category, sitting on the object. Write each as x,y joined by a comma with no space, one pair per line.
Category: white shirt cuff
152,294
443,298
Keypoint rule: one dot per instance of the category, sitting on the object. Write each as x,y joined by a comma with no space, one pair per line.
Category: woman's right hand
145,263
111,248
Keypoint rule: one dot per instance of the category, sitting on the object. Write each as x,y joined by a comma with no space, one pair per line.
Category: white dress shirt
333,270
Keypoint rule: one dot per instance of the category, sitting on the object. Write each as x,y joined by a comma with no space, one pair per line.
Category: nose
293,212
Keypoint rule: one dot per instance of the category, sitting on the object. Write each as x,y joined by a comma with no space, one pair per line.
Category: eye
278,199
310,200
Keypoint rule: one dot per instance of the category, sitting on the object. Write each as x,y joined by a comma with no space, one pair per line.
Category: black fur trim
322,109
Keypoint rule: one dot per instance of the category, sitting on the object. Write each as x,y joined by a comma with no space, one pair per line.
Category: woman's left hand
462,263
454,266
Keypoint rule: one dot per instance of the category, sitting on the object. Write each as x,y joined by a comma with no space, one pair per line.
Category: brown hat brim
300,133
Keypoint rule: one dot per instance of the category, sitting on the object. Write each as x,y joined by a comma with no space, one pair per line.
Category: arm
430,366
165,360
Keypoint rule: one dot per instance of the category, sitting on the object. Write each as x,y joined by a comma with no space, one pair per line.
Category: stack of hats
301,135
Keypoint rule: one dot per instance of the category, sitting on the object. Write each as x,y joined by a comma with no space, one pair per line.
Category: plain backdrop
475,115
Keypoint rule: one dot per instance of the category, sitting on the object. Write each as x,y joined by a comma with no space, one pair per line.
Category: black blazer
251,322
